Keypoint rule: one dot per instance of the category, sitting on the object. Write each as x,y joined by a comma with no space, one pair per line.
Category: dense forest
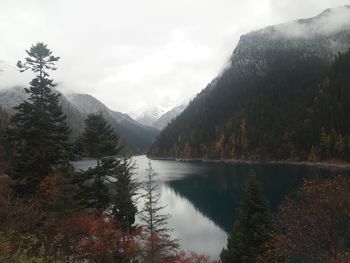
281,99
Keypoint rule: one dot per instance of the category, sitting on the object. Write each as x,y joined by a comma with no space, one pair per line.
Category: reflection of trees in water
218,193
209,198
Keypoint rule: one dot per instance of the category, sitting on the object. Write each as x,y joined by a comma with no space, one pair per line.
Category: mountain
13,96
157,117
164,119
266,103
147,116
137,136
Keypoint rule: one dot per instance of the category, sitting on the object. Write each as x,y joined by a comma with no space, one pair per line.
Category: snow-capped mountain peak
147,116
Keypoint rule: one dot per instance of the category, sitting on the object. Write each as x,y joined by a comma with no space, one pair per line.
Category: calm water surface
202,197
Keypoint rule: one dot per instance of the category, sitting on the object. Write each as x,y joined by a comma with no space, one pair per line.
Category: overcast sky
137,53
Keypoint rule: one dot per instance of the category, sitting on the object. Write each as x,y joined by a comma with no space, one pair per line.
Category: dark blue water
202,197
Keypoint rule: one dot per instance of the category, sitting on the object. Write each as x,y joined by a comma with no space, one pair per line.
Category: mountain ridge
140,137
168,116
239,114
135,136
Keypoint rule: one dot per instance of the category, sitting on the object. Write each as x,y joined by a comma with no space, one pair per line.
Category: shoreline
321,164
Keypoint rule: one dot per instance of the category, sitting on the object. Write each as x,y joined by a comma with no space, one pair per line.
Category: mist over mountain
76,107
147,116
11,97
263,105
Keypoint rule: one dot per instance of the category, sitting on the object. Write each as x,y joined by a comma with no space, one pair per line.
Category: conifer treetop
39,60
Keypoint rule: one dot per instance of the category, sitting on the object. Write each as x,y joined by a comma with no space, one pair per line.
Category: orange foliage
96,237
315,223
48,189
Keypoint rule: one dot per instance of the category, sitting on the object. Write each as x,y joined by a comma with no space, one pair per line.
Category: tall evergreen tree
68,196
252,227
101,142
123,206
99,139
159,245
40,133
93,192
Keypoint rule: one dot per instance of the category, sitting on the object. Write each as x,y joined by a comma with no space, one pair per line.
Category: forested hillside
138,138
285,95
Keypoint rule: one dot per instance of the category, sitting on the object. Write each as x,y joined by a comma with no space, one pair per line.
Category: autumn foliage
48,189
96,237
315,223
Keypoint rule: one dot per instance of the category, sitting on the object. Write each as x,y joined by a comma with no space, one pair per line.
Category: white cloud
136,53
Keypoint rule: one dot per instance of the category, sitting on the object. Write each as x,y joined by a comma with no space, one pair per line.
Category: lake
202,197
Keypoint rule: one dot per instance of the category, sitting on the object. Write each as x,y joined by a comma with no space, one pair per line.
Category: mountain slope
164,119
259,107
138,137
13,96
147,116
76,107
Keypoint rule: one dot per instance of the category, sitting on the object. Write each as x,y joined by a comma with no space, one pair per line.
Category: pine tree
99,139
93,191
124,208
324,143
101,142
68,196
40,134
159,245
251,230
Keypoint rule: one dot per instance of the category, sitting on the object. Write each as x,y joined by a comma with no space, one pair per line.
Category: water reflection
197,232
216,189
202,197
